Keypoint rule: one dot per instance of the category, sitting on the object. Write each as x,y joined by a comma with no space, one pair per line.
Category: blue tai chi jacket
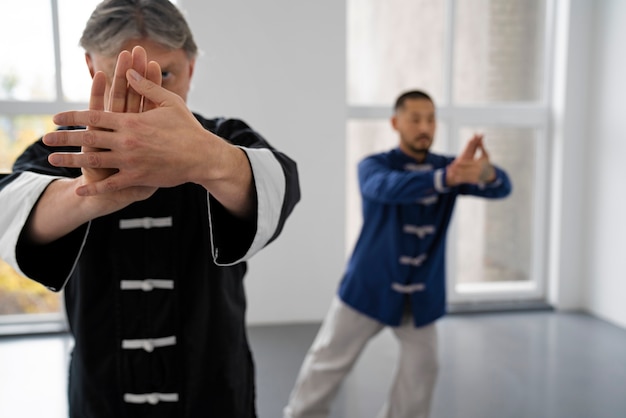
399,256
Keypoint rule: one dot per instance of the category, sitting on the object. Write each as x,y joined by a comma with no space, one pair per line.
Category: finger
119,86
79,159
110,184
470,149
92,118
487,172
155,75
96,99
139,64
155,93
483,151
476,142
90,138
98,88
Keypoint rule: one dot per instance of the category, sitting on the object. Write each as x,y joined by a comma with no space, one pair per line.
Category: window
486,64
45,73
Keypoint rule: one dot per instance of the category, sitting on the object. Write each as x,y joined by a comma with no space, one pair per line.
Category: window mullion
549,50
15,108
56,35
448,51
503,115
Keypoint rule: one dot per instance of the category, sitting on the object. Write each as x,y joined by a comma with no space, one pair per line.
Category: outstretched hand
138,141
472,166
162,147
122,98
147,139
59,210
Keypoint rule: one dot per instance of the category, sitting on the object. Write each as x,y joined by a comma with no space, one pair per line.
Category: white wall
280,66
605,167
588,265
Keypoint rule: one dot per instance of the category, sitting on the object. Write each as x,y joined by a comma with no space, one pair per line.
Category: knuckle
130,143
89,138
93,160
109,185
93,117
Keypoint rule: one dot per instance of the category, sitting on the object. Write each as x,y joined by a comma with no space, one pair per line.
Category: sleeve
18,195
277,191
49,264
499,188
380,182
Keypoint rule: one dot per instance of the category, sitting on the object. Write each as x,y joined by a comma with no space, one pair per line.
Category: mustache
424,136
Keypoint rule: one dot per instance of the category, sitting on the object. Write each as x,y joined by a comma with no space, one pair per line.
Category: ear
89,61
192,66
394,122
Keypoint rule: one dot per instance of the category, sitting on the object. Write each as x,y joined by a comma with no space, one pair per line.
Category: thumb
483,151
150,90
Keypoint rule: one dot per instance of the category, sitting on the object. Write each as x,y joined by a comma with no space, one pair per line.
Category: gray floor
506,365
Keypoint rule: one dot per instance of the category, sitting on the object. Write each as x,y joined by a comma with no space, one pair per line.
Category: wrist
487,174
450,176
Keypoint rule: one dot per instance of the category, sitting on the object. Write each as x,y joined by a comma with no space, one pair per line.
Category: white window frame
40,322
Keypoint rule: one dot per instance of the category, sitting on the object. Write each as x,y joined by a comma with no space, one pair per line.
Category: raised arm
162,147
473,172
60,209
472,166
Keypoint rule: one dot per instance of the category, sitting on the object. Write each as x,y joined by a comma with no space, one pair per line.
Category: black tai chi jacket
154,293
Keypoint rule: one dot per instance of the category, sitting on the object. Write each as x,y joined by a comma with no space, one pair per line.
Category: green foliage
19,295
17,133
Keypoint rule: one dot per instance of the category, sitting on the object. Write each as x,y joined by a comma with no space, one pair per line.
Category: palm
121,99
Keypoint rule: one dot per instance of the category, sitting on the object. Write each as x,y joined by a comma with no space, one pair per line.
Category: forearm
229,178
469,172
58,212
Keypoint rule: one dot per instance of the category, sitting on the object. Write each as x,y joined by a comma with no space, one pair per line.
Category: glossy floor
506,365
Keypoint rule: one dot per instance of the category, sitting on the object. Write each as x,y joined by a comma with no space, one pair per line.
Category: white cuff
17,200
438,180
270,184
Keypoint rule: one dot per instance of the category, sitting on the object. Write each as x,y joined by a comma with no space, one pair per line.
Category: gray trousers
338,344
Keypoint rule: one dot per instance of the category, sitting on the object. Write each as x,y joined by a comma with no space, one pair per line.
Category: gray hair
114,22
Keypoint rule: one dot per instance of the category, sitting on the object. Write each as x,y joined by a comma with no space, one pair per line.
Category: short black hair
411,94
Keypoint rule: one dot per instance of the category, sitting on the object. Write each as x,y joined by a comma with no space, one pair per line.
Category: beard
416,146
421,144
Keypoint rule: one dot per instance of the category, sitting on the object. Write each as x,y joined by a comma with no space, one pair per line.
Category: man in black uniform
146,219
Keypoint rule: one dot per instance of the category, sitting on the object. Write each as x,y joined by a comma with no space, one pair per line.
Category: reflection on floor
508,365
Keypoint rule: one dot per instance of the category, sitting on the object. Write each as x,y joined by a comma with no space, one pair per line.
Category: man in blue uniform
146,220
396,274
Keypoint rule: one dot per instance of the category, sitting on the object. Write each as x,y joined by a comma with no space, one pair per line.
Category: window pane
367,137
494,236
19,295
394,45
27,66
498,50
73,17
